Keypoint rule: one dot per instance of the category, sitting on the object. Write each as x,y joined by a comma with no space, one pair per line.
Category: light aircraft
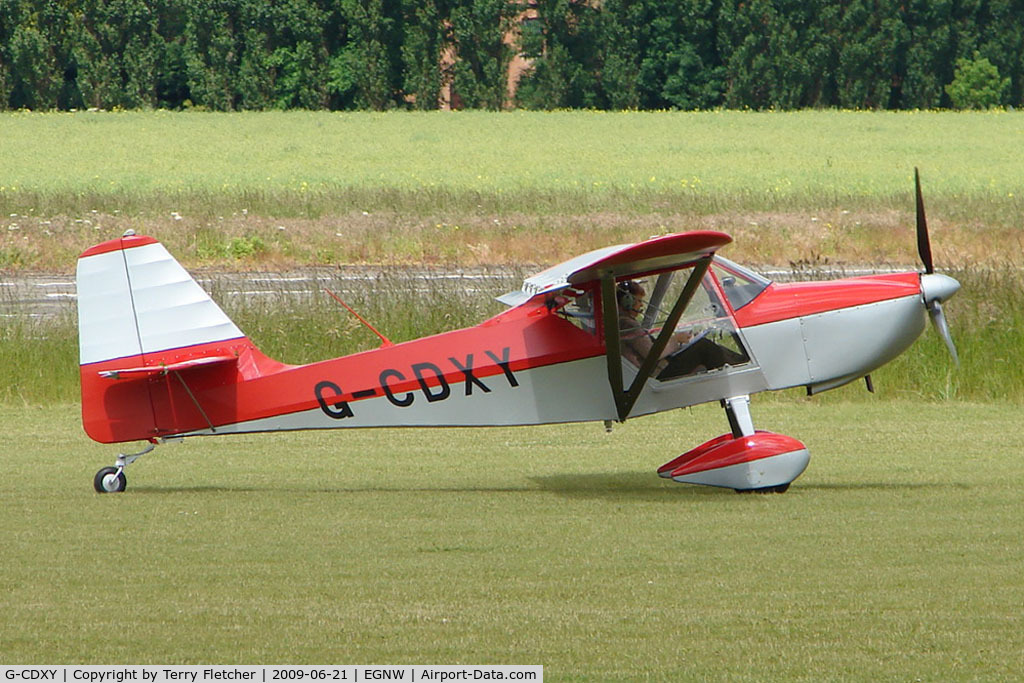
618,332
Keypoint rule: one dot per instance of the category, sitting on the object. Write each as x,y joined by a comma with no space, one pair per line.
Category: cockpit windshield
740,285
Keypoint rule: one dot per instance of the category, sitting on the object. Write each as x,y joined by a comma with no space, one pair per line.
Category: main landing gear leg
737,411
112,479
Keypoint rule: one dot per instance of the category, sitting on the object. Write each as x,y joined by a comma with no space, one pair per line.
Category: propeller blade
942,327
935,288
924,247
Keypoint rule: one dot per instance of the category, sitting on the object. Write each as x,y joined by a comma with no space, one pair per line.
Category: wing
622,260
600,269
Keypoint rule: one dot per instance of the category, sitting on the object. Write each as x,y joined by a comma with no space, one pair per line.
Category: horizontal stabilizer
162,369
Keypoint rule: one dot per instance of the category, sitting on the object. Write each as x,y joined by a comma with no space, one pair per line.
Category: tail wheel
110,480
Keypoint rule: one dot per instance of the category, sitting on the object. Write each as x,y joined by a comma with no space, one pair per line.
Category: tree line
227,55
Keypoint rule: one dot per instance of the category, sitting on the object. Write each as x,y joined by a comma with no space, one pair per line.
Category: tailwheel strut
112,479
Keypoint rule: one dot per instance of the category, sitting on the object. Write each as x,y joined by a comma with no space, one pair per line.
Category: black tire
103,482
781,488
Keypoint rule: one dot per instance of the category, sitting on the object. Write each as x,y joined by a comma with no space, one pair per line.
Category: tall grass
312,326
38,357
272,190
281,189
980,205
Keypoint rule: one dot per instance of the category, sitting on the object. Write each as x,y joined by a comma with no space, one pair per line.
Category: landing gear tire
110,480
782,488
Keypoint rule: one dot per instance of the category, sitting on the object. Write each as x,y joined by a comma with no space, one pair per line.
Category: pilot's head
629,294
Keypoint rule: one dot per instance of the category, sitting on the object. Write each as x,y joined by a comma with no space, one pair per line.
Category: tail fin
141,315
134,299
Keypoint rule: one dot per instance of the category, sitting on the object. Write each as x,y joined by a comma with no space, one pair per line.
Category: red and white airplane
619,332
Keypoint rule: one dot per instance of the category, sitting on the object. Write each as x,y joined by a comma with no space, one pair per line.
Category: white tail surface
134,298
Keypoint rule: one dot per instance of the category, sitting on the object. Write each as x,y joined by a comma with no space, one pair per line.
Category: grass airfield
897,555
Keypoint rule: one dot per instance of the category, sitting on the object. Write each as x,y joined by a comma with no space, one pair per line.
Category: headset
627,299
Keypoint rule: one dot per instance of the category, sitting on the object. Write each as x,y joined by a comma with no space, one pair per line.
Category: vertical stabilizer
134,299
140,314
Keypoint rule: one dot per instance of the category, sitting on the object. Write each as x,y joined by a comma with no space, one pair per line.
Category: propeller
924,245
935,288
942,327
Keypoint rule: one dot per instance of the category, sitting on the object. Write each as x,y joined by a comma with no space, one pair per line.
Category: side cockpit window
703,340
576,306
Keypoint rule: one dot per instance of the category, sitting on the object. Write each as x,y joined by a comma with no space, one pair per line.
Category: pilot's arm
640,341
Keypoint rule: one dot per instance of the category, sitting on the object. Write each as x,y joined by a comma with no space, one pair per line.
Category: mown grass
895,556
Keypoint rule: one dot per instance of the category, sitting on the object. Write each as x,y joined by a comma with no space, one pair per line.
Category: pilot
681,356
637,341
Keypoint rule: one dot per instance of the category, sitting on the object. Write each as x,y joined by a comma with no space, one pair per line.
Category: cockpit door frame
624,398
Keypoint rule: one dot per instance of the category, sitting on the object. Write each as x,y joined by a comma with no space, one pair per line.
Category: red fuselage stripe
783,301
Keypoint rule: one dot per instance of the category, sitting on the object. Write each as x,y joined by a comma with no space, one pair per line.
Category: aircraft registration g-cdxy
619,332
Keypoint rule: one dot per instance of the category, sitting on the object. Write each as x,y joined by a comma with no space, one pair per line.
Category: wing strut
625,399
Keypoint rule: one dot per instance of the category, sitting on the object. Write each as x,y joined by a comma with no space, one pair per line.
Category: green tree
622,34
212,53
868,71
425,40
681,66
258,80
482,55
5,83
299,76
7,22
378,54
782,54
928,62
564,46
977,84
32,77
171,72
298,55
650,54
112,53
367,70
1000,38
